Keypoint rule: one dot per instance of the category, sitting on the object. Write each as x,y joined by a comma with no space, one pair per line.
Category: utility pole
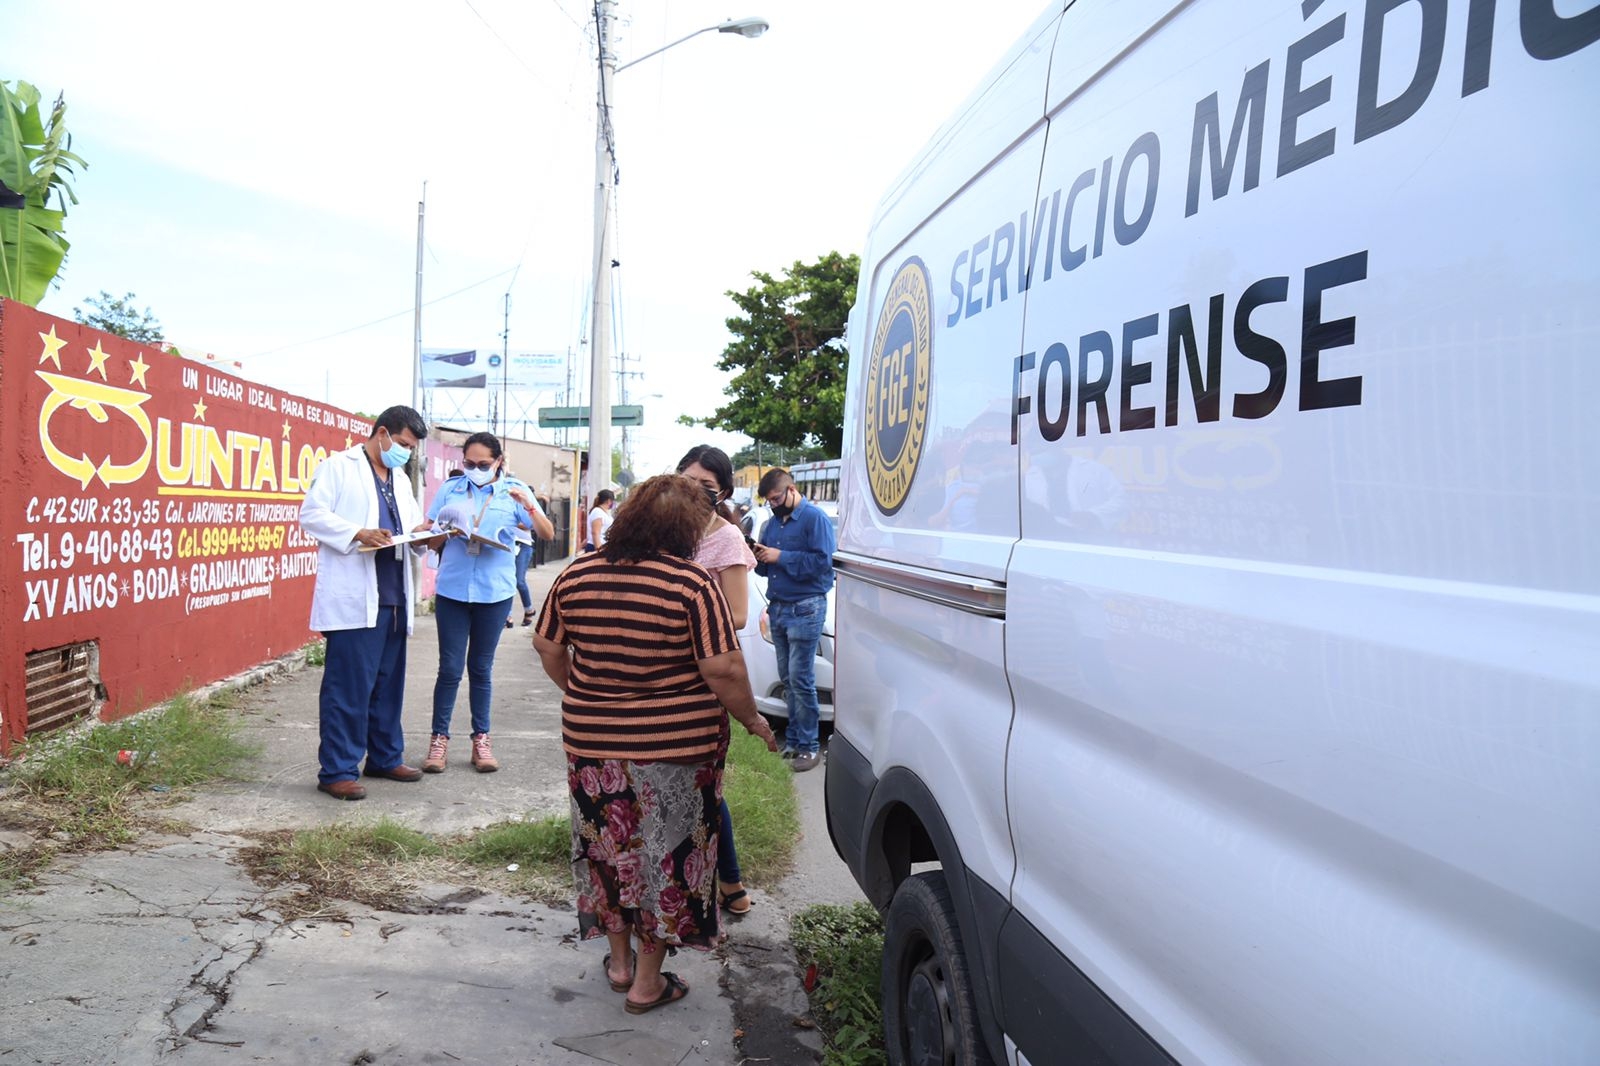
505,368
605,173
416,329
417,391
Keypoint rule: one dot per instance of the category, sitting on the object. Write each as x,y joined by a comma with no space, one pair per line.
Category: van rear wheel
929,1016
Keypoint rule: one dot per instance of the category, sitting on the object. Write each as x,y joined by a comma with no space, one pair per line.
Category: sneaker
804,760
786,752
434,763
482,758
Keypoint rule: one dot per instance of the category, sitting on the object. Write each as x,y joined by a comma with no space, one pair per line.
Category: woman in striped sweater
642,645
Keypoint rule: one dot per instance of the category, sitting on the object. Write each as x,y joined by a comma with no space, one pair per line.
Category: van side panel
923,682
1303,624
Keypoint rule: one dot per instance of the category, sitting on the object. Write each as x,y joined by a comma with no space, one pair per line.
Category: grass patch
317,653
845,944
759,788
380,863
547,841
70,792
364,862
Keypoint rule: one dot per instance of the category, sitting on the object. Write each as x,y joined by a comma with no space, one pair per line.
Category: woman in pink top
724,553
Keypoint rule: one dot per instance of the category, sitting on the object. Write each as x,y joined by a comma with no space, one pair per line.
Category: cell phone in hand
751,541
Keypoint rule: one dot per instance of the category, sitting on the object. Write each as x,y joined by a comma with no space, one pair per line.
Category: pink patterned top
724,547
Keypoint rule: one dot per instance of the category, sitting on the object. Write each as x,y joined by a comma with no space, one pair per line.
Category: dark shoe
786,752
674,991
398,773
726,901
343,790
619,986
805,760
527,618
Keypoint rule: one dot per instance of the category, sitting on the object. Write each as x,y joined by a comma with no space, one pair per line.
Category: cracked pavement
165,951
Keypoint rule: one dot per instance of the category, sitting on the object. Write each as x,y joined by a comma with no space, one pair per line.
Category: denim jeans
727,855
796,629
524,556
469,633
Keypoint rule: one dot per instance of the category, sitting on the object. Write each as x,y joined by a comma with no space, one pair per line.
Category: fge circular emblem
898,375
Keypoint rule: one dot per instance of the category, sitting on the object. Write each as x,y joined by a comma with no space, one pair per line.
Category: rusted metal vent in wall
63,686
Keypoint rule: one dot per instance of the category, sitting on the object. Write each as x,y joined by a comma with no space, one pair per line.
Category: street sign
627,414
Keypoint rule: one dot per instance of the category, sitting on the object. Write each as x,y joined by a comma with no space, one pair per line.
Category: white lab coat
342,501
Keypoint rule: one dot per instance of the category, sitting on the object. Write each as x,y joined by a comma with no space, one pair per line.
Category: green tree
34,162
120,316
788,357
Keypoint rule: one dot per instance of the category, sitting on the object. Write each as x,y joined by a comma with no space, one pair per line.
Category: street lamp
748,27
605,176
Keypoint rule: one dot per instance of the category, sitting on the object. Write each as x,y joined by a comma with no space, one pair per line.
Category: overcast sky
255,171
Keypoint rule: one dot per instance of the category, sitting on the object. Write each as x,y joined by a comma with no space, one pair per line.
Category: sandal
674,991
619,986
727,899
527,619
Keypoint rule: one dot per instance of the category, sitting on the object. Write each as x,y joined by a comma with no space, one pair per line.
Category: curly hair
663,515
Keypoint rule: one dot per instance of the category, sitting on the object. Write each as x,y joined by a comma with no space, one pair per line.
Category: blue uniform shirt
491,575
391,567
806,567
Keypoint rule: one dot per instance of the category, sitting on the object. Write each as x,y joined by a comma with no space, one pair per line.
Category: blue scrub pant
469,633
363,688
796,632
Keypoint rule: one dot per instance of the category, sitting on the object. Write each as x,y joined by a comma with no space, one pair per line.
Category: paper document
476,538
403,538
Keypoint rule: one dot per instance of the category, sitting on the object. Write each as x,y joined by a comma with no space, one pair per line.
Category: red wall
150,503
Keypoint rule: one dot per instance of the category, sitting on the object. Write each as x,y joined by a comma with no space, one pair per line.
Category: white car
760,657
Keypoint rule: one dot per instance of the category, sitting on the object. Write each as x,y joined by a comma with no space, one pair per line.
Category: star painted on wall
126,588
285,429
347,442
200,410
138,367
97,361
52,347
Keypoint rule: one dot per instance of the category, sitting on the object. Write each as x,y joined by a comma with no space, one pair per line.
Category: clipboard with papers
398,539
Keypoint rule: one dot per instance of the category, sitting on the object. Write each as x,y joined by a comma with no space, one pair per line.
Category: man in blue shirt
796,557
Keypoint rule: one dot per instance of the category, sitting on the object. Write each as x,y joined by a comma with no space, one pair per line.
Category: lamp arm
664,47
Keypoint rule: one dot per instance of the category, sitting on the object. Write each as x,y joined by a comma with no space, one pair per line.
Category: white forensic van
1219,566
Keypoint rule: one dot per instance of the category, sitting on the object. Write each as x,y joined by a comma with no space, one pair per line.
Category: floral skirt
644,849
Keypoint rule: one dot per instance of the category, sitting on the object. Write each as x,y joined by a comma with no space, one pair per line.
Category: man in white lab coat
358,501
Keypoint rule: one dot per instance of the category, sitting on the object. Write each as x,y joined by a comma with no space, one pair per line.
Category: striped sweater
637,632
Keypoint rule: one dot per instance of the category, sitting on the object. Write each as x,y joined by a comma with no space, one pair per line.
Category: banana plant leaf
35,161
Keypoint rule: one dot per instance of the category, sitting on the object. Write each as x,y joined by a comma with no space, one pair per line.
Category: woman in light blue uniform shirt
475,588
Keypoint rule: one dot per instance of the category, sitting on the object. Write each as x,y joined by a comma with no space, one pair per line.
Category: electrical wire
566,100
385,318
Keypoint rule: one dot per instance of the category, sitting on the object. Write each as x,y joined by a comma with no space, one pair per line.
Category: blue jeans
469,633
727,855
524,557
363,686
796,629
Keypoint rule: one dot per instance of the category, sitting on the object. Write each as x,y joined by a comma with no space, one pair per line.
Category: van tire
929,1014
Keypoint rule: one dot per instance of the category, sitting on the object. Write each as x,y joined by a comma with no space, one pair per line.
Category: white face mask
481,478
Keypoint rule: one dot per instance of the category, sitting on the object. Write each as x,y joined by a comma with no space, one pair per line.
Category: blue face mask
395,455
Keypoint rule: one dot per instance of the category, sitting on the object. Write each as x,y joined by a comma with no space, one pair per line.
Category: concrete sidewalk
166,951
